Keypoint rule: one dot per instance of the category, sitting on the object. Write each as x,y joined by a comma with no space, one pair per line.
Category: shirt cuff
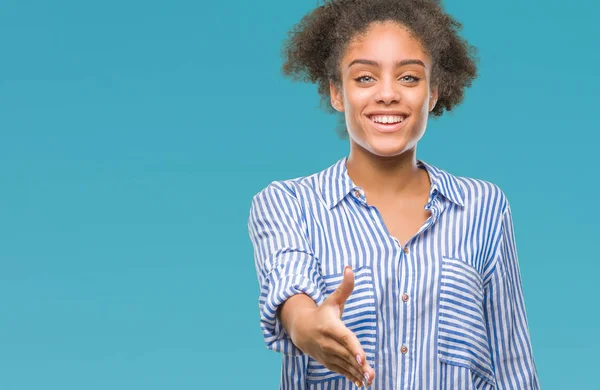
272,297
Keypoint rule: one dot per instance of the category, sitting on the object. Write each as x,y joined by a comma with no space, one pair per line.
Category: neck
387,177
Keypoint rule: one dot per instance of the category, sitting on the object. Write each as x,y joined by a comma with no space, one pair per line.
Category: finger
336,345
342,370
369,375
341,294
352,350
356,373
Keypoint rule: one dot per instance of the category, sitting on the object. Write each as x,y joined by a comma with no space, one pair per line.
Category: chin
382,145
387,149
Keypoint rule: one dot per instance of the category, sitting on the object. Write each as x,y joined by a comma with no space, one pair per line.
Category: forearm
293,309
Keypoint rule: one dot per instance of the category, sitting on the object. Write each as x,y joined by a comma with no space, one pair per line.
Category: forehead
385,42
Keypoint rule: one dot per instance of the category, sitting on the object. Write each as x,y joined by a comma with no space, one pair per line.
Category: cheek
358,99
415,97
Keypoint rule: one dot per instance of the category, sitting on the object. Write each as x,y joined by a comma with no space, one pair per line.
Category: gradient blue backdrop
133,135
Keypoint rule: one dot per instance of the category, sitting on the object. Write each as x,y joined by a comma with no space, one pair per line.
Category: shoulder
313,190
294,189
474,194
468,191
482,194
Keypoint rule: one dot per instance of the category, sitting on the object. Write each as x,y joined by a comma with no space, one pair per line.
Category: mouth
387,123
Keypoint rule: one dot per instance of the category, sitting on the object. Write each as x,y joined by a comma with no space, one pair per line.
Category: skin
384,165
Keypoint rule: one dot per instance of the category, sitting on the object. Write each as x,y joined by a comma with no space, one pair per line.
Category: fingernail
367,377
359,360
357,383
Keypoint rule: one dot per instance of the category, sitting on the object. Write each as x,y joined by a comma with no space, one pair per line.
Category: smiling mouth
387,123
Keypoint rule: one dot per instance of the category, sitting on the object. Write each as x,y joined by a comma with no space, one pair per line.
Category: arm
285,265
506,317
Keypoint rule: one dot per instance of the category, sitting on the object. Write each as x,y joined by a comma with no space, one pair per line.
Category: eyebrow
397,64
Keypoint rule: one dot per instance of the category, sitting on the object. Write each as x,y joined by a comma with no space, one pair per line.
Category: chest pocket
462,336
359,316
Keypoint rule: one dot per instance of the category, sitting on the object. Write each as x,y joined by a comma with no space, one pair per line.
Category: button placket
405,252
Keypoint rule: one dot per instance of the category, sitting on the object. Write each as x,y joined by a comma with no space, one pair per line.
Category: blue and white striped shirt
446,311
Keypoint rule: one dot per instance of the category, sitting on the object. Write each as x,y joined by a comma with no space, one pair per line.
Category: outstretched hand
321,333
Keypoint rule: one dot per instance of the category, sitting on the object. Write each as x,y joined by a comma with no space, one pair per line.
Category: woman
383,270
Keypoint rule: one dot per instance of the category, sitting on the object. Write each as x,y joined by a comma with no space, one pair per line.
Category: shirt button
404,349
357,194
405,297
406,250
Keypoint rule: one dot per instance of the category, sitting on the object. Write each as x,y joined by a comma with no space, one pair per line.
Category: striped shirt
446,311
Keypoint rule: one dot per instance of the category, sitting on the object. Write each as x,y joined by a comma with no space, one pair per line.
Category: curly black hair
316,45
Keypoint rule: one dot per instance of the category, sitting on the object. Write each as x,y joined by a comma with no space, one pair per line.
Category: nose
388,92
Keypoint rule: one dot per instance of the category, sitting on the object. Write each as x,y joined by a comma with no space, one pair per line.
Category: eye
361,78
410,78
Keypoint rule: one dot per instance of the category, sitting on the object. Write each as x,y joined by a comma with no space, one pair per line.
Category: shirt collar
335,183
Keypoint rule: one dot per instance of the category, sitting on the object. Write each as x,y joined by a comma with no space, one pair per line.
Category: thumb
341,294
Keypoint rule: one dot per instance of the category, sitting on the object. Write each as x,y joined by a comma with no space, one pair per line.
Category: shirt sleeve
506,318
285,264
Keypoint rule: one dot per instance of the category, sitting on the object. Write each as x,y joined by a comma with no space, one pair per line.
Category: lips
387,127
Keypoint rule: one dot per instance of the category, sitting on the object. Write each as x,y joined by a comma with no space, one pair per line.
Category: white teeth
387,118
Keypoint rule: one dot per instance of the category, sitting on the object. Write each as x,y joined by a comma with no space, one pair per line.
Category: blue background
133,135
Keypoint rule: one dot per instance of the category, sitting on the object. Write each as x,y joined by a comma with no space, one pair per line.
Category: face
385,95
